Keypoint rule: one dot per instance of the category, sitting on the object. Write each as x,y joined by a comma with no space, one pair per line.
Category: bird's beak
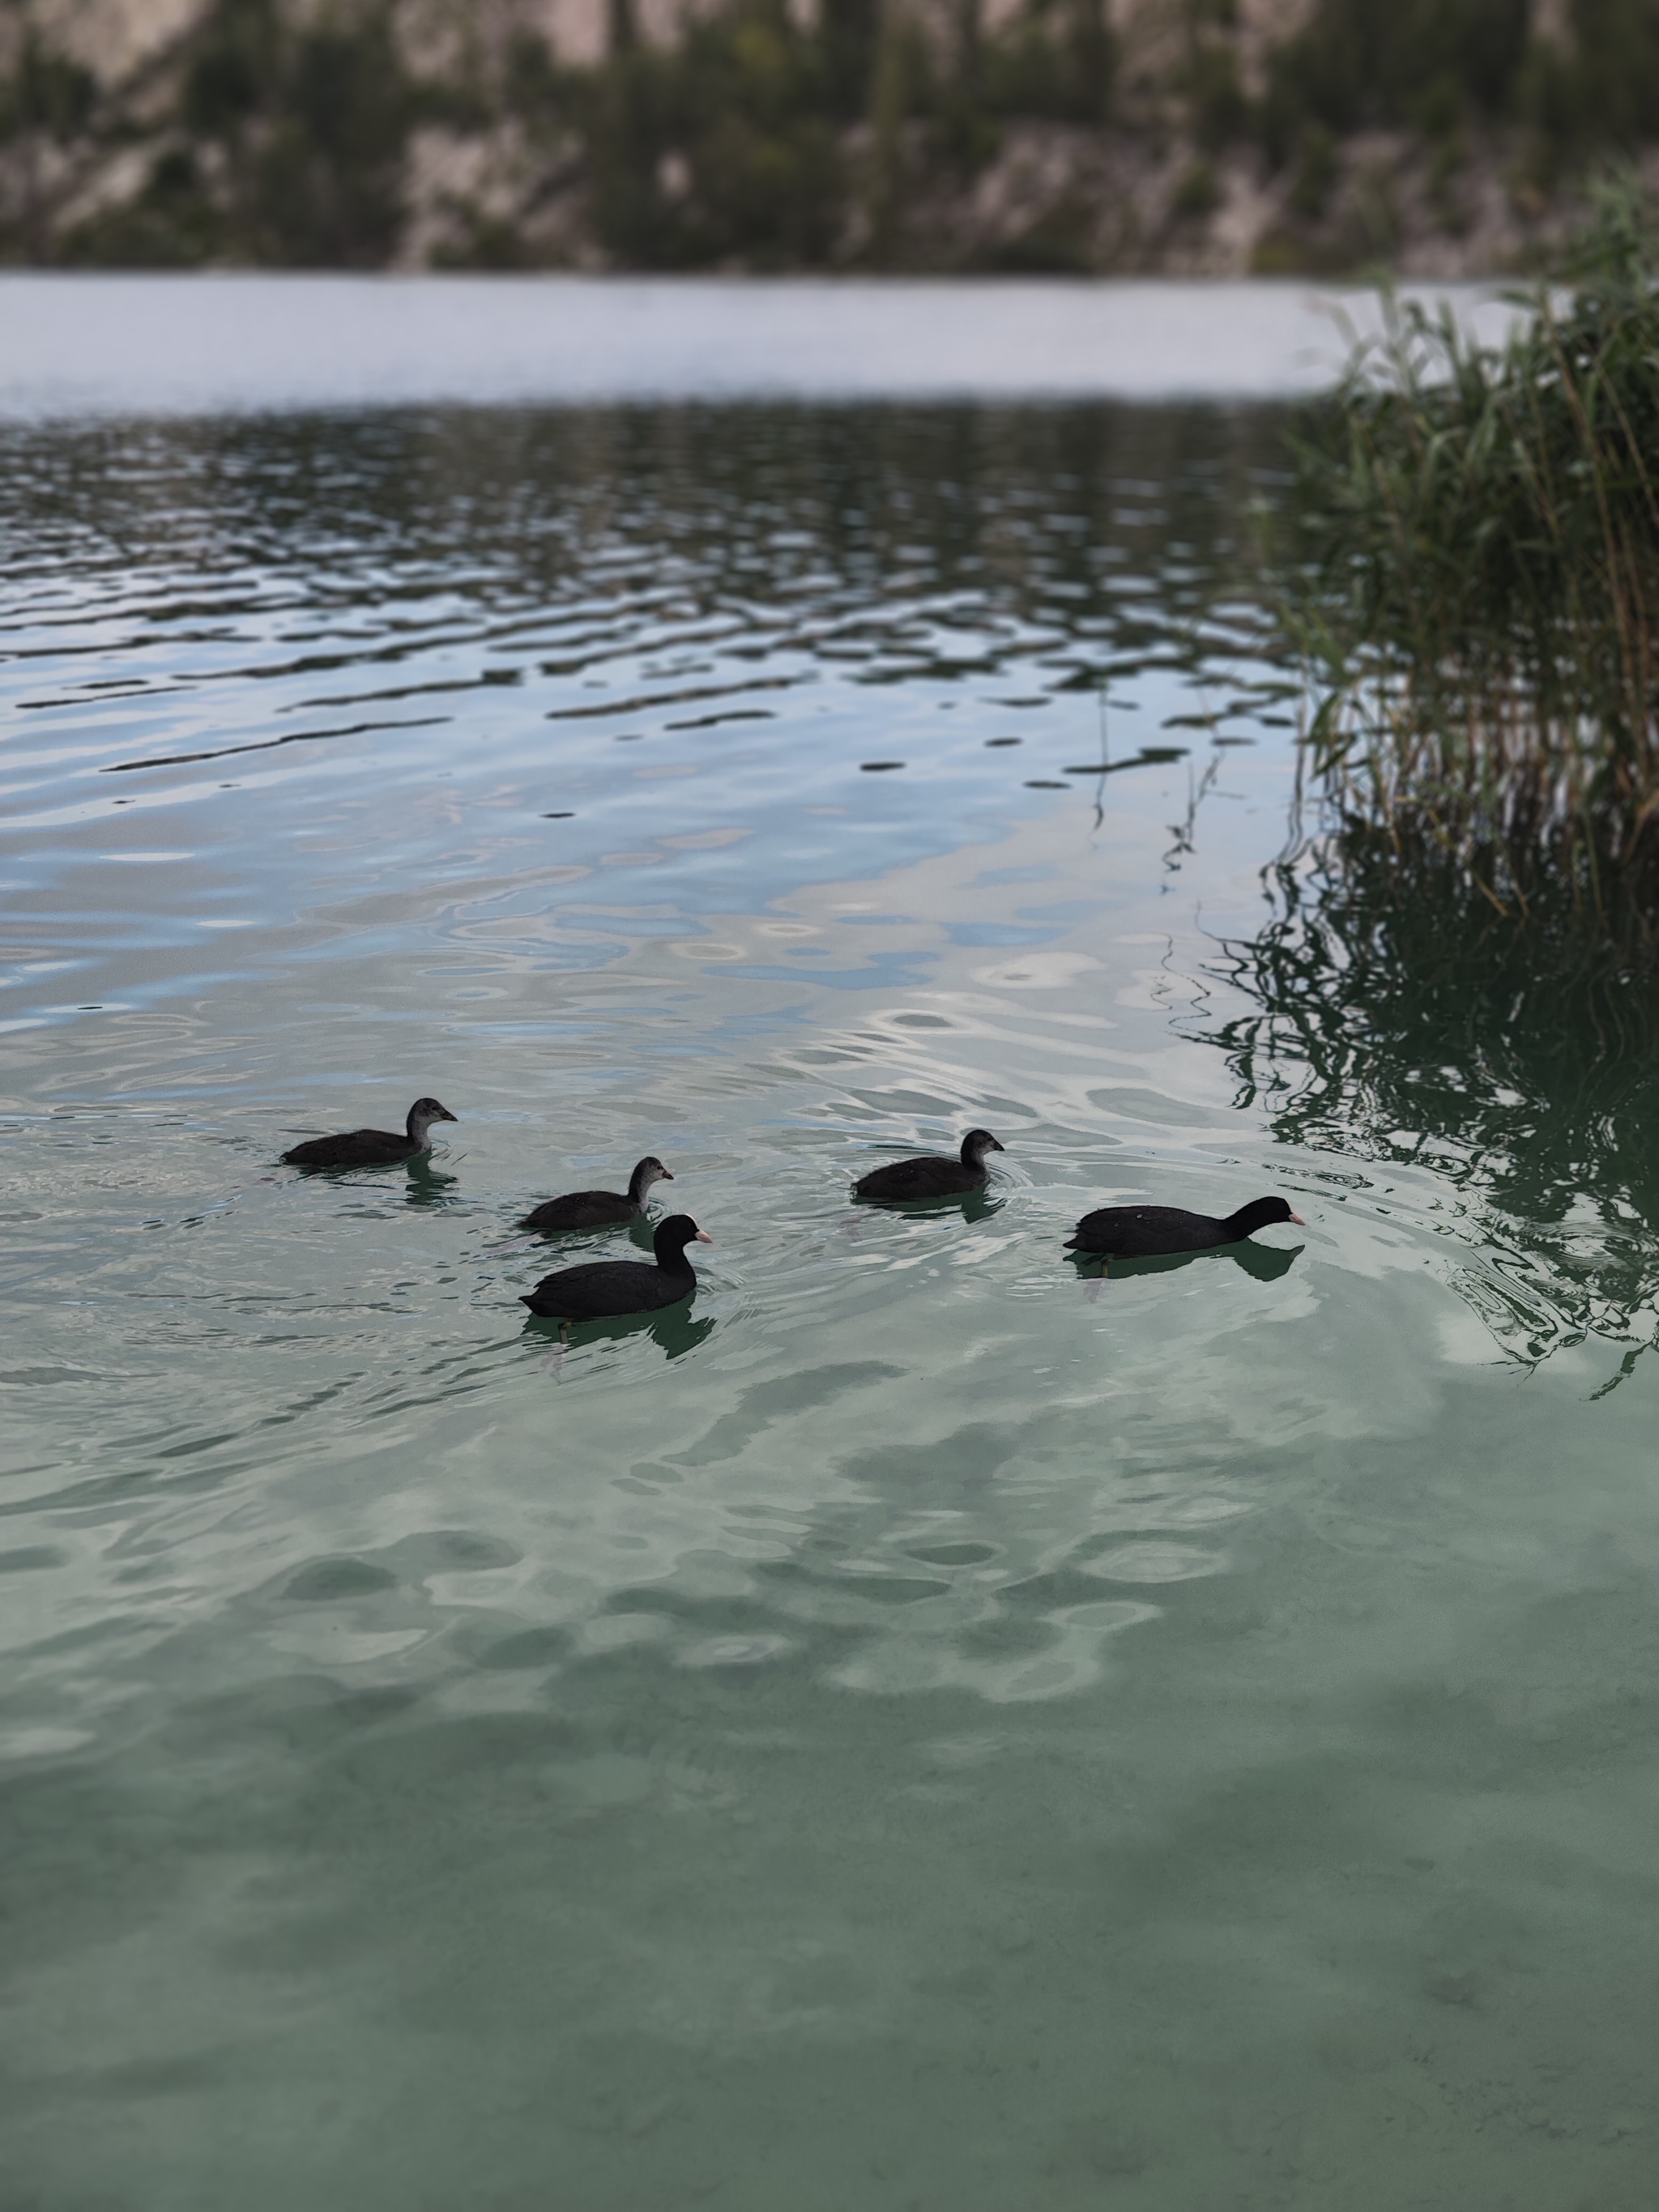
996,1147
703,1237
666,1176
1299,1222
445,1115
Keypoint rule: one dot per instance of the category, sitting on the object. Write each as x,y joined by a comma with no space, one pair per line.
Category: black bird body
597,1209
1145,1232
606,1288
930,1175
372,1148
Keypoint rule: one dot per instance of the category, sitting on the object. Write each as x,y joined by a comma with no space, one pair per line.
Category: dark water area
920,1727
1394,1017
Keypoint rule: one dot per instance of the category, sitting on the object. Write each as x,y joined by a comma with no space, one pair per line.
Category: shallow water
916,1728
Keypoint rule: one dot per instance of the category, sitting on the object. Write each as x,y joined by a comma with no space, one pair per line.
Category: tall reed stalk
1475,584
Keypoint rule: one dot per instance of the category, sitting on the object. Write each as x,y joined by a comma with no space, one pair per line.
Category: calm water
918,1731
200,344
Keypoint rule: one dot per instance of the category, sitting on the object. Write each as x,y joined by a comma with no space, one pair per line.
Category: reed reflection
1397,1017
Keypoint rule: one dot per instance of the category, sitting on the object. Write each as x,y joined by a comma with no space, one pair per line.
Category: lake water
77,344
918,1730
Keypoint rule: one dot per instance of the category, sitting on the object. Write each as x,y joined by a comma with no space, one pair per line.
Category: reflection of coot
605,1288
372,1148
676,1330
1146,1232
1266,1262
427,1185
597,1209
929,1175
979,1205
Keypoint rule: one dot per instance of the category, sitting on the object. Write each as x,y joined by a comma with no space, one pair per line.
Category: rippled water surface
918,1729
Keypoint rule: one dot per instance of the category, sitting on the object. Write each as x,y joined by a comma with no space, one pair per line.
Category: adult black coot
605,1288
372,1148
1146,1232
929,1175
597,1209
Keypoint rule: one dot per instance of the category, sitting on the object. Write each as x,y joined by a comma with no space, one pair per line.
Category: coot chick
605,1288
372,1148
929,1175
597,1209
1146,1232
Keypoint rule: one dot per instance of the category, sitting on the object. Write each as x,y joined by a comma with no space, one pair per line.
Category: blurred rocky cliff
1198,136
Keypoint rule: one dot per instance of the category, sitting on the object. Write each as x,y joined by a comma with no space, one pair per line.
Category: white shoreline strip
208,343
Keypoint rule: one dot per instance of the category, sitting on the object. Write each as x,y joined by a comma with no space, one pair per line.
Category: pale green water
914,1731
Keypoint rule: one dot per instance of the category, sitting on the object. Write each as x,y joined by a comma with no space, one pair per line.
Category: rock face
1190,136
112,39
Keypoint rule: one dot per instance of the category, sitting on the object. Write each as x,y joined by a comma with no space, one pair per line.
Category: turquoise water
918,1729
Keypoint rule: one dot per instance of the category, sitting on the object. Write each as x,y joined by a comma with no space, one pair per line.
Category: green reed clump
1475,582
